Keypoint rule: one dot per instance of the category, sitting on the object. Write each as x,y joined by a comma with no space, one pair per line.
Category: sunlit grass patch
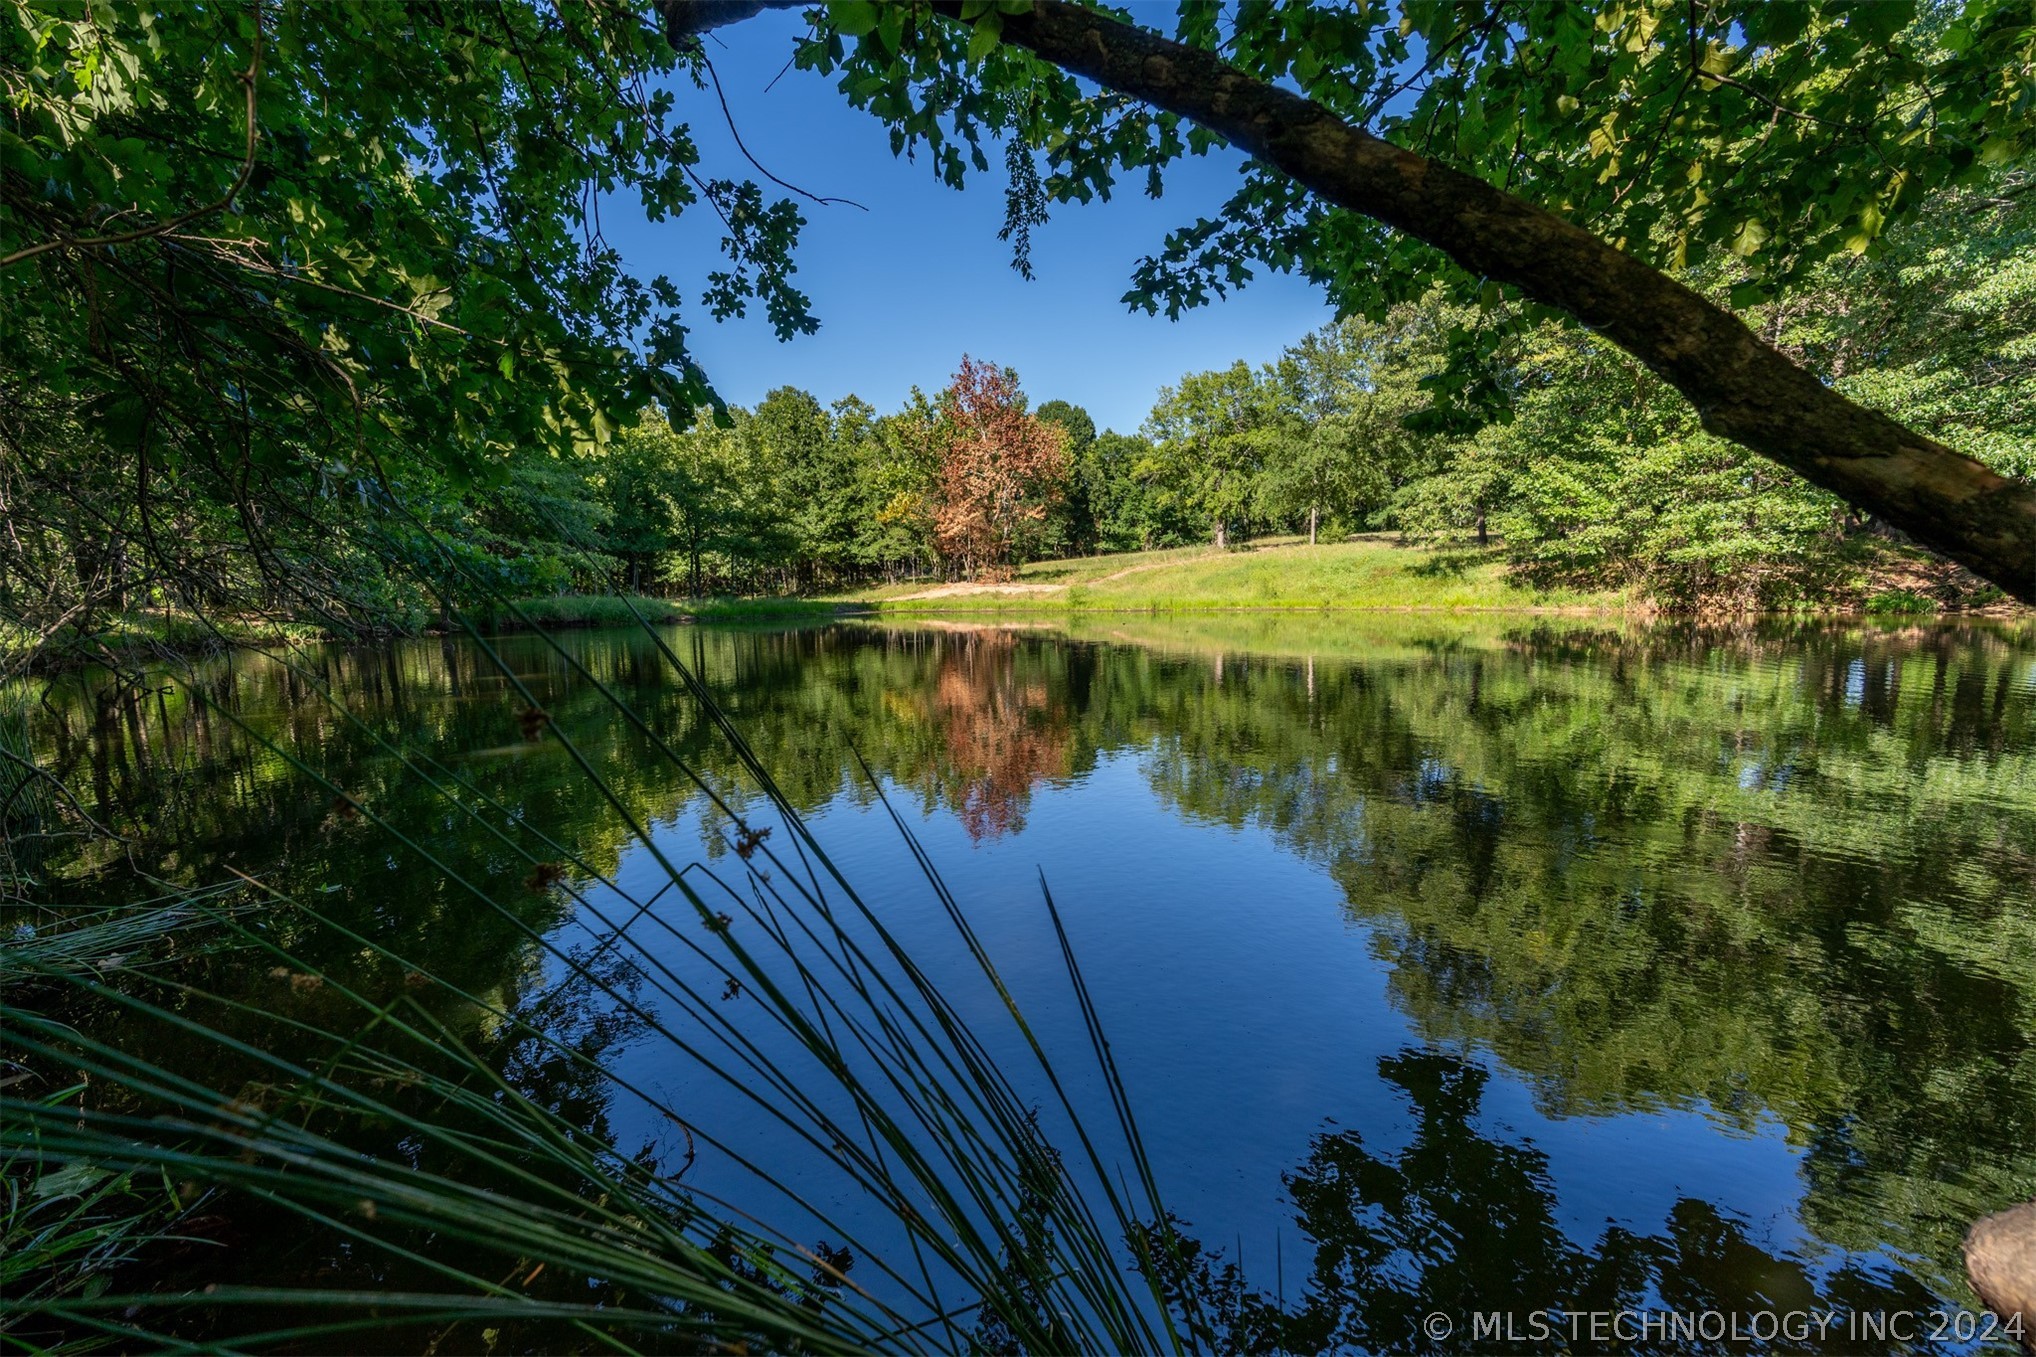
1371,572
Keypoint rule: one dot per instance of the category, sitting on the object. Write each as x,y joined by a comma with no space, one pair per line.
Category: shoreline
132,639
1375,574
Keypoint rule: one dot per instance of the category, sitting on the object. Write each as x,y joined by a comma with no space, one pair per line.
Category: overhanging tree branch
1743,389
248,80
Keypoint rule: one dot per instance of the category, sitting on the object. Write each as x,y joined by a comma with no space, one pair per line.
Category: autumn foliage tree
1001,467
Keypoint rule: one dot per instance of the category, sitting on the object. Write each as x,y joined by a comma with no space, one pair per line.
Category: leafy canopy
406,240
292,233
1780,132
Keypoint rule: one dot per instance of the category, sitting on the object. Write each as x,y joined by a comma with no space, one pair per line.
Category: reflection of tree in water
1003,733
1779,876
1461,1224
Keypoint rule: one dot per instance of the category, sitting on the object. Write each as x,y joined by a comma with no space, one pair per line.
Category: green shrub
1900,603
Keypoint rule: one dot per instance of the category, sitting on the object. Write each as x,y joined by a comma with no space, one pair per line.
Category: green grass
154,630
1375,572
1901,603
1371,572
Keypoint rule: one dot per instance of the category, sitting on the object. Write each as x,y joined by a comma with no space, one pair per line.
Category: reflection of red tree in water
1003,734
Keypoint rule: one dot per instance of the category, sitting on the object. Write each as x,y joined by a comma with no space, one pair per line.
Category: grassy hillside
1364,572
1376,572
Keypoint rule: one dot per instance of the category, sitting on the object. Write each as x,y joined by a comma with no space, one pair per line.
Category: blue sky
906,288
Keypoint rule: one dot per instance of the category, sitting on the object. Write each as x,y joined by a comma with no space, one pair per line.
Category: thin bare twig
730,117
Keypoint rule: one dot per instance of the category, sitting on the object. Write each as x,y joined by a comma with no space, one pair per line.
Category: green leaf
1879,20
891,28
1778,22
1867,231
983,40
1998,150
854,17
71,1180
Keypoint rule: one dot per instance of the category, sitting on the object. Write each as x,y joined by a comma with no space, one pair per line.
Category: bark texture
2000,1258
686,20
1742,389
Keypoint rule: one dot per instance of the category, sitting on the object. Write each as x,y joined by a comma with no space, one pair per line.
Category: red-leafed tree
1000,469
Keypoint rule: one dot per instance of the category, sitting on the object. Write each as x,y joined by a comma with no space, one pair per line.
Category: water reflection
1463,1225
1005,728
1775,878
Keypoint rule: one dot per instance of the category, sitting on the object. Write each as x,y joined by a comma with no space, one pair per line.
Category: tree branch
729,117
248,79
1743,390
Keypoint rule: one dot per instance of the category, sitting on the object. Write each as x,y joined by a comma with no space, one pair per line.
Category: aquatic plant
462,1200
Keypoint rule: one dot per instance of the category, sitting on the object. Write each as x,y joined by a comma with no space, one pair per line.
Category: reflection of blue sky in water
1251,1012
1596,947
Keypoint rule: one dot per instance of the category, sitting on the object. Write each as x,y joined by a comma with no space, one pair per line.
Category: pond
1478,966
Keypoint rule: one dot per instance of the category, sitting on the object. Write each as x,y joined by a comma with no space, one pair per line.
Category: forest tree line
1561,451
1593,471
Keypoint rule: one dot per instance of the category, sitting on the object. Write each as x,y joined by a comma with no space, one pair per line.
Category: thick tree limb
686,20
1742,389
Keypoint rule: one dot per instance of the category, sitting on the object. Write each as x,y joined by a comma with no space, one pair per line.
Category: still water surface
1451,966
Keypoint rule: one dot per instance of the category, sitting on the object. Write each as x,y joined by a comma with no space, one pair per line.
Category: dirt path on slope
973,589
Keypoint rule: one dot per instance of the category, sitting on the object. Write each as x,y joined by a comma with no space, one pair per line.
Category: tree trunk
1484,533
1222,535
1742,389
1312,511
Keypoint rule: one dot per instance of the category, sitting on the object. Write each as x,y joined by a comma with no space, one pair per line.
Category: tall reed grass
189,1074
